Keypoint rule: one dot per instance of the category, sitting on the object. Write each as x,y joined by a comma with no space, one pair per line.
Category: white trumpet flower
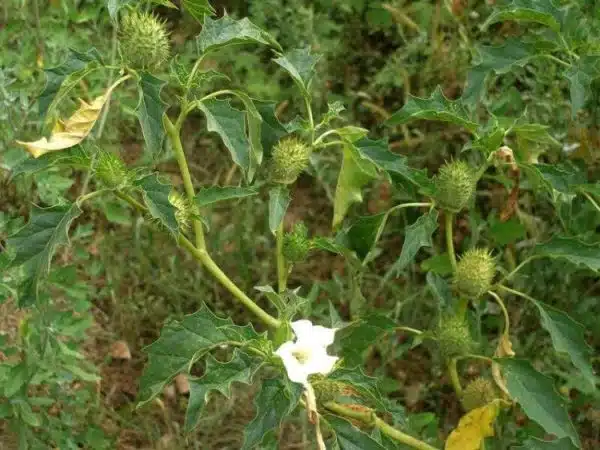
307,354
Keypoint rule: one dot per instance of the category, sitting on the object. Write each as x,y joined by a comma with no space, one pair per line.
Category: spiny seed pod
478,393
455,185
453,337
111,170
296,244
290,157
474,273
184,210
143,41
326,390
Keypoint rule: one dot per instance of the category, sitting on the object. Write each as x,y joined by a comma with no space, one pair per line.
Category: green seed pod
474,273
453,337
478,393
455,185
296,244
326,390
184,209
290,157
111,170
143,41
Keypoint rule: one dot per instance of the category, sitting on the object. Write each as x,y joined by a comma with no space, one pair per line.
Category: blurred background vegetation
122,279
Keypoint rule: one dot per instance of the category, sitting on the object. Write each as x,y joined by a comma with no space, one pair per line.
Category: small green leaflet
279,200
436,107
573,250
355,173
536,394
362,235
355,338
35,244
300,64
276,400
156,197
228,31
348,437
197,8
230,124
181,343
218,376
150,112
537,444
580,77
215,194
538,11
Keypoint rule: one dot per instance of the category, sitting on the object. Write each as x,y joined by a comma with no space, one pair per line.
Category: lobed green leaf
300,64
215,194
573,250
156,197
227,31
150,112
538,11
279,200
349,437
198,8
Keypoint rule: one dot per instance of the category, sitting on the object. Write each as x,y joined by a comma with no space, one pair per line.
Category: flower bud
290,157
478,393
143,41
184,210
296,244
455,185
474,273
111,170
453,337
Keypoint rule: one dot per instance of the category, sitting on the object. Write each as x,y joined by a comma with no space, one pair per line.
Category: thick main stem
281,265
453,372
450,238
369,418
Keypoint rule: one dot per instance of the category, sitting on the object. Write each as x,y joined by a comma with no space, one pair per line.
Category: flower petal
298,373
302,329
320,362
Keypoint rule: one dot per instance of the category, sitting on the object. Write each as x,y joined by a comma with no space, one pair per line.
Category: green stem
132,201
310,119
558,60
175,138
410,330
281,265
450,238
519,267
592,201
369,418
474,356
454,378
518,293
462,306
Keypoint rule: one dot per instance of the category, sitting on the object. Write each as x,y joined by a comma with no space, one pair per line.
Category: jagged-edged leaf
35,244
417,235
254,120
536,394
276,399
181,343
352,133
362,235
558,181
197,8
537,444
538,11
580,77
355,173
74,157
327,244
365,386
473,428
230,124
150,112
279,200
214,194
440,290
300,64
355,338
333,112
573,250
156,197
62,79
114,6
349,437
271,129
228,31
436,107
218,376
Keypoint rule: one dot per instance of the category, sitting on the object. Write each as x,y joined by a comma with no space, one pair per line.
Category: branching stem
450,238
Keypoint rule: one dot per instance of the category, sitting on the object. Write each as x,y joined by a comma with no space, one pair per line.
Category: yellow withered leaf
473,428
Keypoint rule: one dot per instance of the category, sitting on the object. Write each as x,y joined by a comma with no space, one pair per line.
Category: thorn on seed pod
296,244
143,41
478,392
184,210
455,185
290,157
326,390
475,273
453,337
111,170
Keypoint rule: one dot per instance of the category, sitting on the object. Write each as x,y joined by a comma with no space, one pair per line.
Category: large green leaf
218,376
276,400
436,107
580,77
75,157
150,112
559,181
536,394
362,235
573,250
156,196
197,8
215,194
181,343
365,386
536,444
279,200
358,336
35,244
228,31
271,129
538,11
229,123
300,64
355,173
348,437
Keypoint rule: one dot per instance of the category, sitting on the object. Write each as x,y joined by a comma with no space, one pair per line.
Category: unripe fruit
455,185
111,170
478,393
326,390
296,244
143,41
453,337
290,157
474,273
183,209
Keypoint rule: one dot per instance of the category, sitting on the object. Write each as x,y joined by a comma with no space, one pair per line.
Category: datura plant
304,369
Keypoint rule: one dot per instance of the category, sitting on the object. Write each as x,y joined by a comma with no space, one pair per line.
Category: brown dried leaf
120,350
182,384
